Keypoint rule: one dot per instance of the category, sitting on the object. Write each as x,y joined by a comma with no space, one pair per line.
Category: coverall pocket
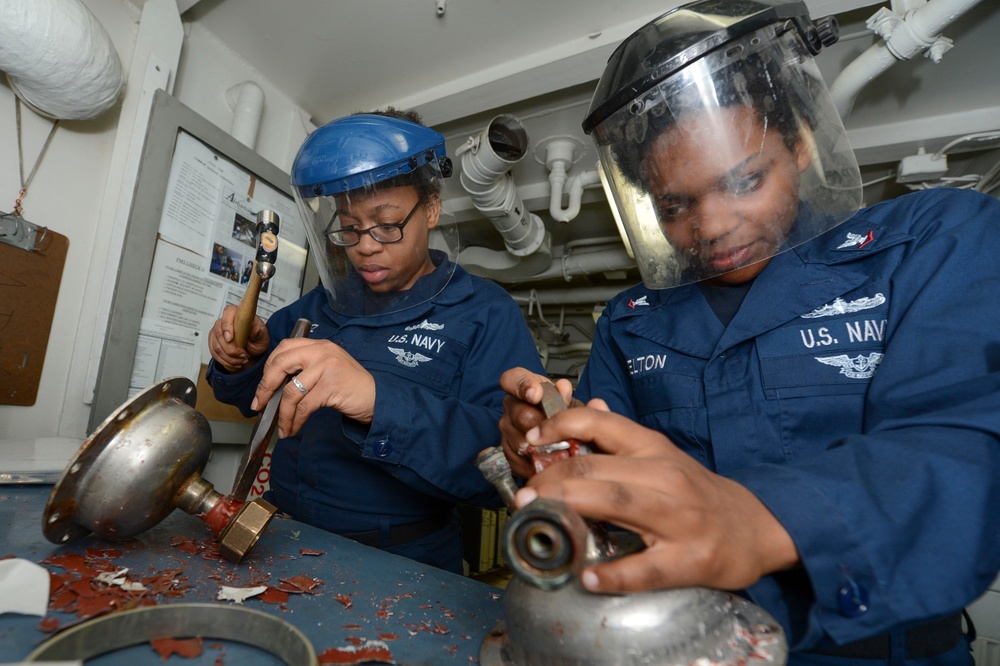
813,374
434,363
675,405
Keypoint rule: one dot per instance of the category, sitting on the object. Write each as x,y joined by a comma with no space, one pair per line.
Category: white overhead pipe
59,59
568,296
559,157
503,266
246,101
918,31
607,259
577,184
487,158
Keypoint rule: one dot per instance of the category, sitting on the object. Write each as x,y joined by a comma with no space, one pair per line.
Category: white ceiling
338,56
539,60
335,57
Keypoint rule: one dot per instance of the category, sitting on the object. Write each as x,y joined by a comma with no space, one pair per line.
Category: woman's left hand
328,374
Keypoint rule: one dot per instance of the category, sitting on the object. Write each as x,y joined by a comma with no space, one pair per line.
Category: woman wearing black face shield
801,401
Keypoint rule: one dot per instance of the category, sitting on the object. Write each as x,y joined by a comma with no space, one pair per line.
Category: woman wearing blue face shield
396,391
801,402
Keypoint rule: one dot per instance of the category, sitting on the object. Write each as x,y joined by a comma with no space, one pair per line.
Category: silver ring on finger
299,386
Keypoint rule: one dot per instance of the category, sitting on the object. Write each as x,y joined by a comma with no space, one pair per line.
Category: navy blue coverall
856,392
437,368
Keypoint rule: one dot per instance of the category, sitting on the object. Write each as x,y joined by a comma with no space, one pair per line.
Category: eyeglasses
383,233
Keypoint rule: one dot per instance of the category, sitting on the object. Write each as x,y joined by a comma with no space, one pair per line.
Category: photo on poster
226,263
245,230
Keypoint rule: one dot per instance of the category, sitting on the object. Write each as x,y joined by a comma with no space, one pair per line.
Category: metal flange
133,627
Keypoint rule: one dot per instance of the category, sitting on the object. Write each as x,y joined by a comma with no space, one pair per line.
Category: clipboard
29,287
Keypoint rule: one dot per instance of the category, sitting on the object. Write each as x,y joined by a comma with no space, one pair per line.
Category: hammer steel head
269,219
265,269
267,242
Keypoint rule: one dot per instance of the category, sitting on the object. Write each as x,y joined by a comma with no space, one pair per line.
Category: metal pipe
567,296
495,469
246,100
486,160
902,38
596,260
559,157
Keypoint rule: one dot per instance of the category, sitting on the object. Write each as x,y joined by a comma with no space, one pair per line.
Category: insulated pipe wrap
59,59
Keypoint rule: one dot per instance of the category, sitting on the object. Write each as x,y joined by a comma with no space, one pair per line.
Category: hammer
267,252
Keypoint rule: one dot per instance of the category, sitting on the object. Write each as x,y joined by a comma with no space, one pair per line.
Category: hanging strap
20,156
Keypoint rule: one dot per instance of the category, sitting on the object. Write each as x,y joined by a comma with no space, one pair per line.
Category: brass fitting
245,528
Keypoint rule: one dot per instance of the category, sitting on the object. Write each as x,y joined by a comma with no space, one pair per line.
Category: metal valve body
145,460
551,620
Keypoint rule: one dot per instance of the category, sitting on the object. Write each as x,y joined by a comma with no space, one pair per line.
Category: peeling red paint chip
309,551
104,552
428,626
208,549
72,562
184,544
189,648
299,584
274,596
49,624
90,586
169,583
369,652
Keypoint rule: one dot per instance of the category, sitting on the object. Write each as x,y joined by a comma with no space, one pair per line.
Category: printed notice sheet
205,256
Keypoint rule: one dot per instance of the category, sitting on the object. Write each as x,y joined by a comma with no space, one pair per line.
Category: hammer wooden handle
245,313
247,310
263,268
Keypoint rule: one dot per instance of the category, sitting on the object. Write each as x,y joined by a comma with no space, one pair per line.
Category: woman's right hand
224,350
522,412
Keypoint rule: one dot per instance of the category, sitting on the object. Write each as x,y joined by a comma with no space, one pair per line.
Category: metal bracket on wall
17,231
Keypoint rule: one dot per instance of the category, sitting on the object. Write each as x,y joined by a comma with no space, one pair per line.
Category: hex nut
245,528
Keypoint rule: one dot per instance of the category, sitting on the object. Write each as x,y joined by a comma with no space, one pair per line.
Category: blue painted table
424,615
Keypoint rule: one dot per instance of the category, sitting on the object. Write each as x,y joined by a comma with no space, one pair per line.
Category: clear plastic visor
383,247
737,157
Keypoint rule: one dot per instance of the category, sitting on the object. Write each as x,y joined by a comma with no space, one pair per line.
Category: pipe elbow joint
487,159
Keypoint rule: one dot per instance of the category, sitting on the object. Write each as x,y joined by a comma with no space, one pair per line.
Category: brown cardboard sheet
29,287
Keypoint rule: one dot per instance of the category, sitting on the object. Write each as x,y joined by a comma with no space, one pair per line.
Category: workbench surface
422,614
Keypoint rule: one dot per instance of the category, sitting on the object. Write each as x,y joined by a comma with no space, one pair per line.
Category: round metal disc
160,421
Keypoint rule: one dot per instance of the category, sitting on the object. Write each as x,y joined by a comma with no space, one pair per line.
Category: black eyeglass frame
378,228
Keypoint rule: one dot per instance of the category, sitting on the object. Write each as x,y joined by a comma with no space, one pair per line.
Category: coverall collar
806,277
